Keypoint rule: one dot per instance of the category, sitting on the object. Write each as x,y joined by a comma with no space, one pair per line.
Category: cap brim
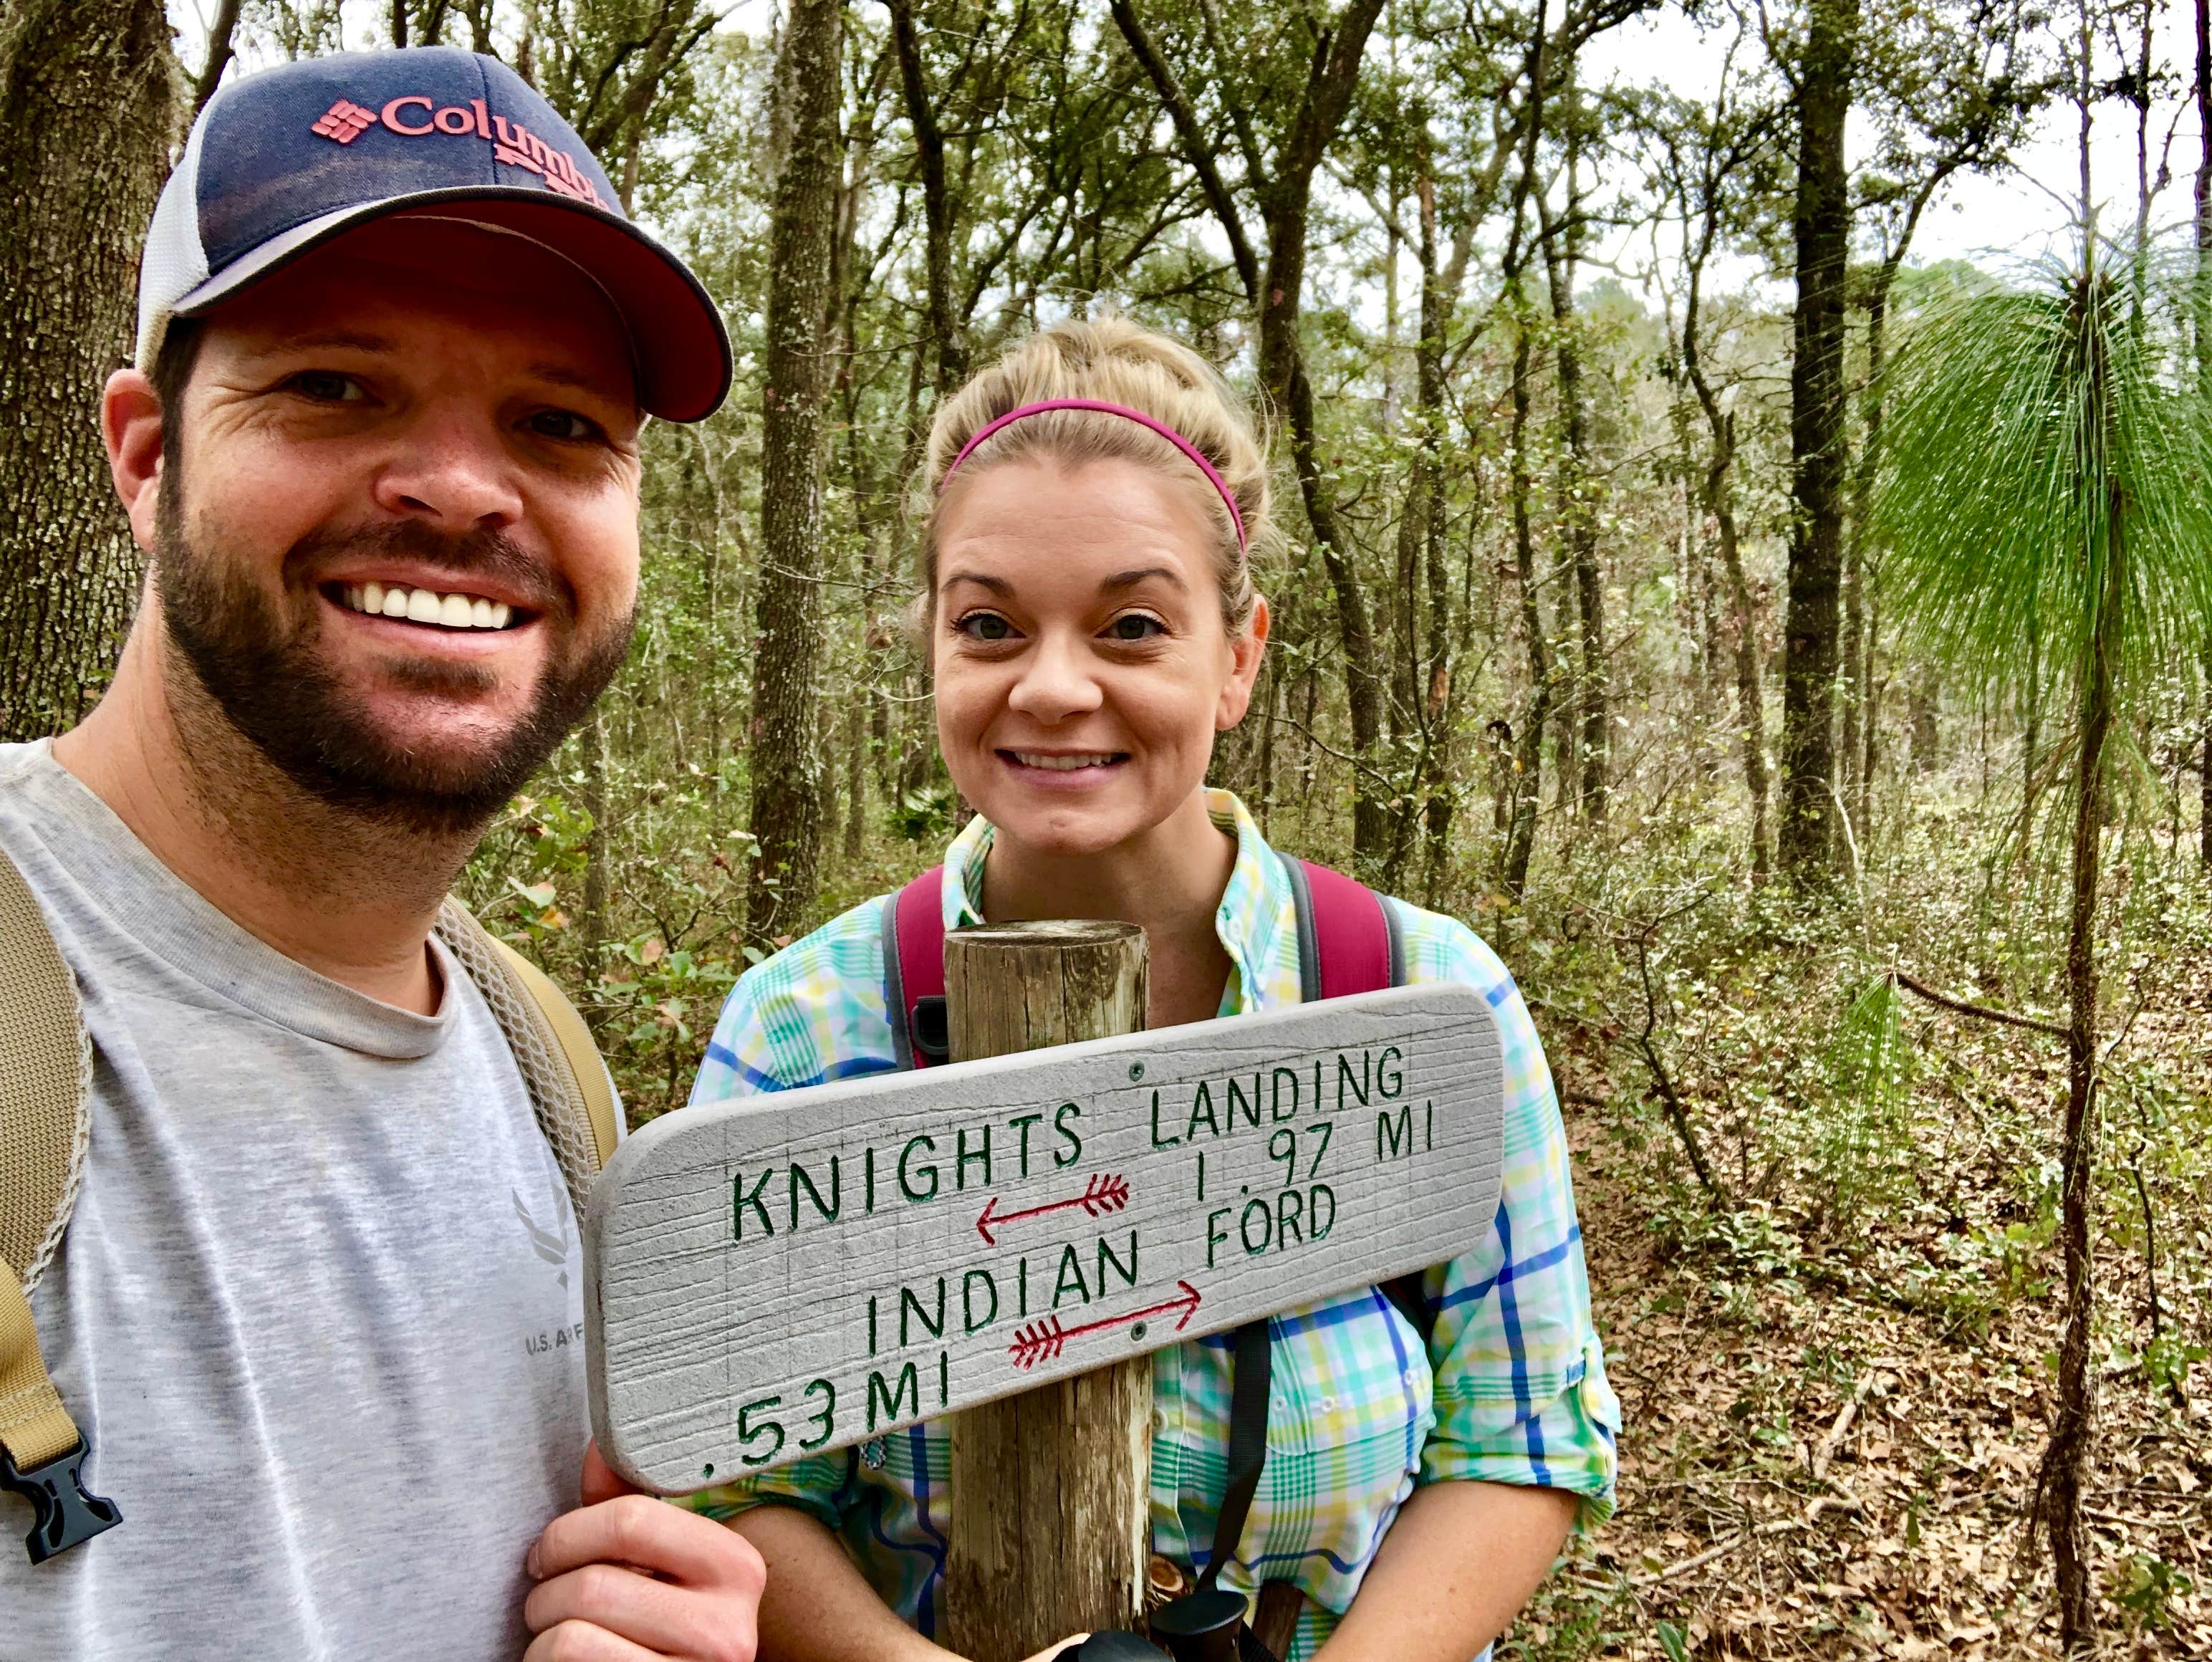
681,349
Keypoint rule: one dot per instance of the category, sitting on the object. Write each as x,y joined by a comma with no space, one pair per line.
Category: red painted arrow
1040,1342
1105,1192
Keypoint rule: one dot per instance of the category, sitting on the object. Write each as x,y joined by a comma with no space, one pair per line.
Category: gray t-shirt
320,1309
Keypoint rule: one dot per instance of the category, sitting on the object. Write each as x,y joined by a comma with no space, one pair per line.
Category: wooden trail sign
785,1275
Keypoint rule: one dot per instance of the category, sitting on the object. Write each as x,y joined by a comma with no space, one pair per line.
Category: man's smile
452,609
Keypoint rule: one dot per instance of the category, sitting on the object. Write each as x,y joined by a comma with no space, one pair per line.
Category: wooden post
1051,1523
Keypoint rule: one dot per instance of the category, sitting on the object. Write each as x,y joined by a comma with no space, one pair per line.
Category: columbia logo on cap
344,121
413,115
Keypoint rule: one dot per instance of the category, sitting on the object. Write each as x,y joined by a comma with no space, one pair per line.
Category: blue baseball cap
279,162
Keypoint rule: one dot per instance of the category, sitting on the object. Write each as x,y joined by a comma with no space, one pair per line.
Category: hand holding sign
623,1572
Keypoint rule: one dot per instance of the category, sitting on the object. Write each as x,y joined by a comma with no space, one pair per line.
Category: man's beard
262,669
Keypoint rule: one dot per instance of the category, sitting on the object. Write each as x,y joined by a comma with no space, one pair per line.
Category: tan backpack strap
35,1428
569,1088
45,1075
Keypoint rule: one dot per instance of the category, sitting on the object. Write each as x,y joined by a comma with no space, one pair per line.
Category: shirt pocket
1349,1370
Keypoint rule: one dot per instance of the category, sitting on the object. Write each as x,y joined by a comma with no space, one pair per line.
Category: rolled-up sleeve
1521,1392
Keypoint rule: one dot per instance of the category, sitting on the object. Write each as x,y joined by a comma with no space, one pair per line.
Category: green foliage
1862,1138
2032,424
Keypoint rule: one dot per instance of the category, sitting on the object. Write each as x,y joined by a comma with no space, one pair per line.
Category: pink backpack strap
1349,942
1348,939
914,970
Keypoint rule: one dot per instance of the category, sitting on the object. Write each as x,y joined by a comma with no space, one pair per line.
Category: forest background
1591,627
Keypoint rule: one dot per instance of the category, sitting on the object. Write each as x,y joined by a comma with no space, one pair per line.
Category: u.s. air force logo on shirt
554,1247
546,1243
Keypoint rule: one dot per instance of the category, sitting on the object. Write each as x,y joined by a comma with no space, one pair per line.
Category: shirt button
1279,1404
1159,1419
1329,1404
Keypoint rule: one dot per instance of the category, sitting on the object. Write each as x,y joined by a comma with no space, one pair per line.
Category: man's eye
1135,626
985,626
563,424
328,387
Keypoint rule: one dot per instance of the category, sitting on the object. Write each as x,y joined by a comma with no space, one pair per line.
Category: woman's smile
1048,769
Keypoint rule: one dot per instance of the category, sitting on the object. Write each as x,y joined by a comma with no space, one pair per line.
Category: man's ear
130,418
1245,651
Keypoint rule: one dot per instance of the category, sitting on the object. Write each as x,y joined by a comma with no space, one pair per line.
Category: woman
1090,615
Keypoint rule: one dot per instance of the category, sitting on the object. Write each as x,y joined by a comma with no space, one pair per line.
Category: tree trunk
786,760
2065,1460
1528,756
945,320
2204,360
1437,297
89,99
1285,198
1750,692
1577,488
1817,437
1921,704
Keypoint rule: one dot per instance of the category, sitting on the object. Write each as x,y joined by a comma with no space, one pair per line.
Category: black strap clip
65,1513
930,1029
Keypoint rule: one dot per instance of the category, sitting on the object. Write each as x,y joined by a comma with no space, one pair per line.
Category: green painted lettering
1021,1123
1202,1109
800,1175
1070,1274
739,1201
974,1323
963,1158
1073,1151
1106,1257
1391,1081
906,1182
1215,1237
908,1302
884,1401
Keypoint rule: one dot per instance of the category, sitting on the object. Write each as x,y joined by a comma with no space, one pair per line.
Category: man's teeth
422,606
1063,763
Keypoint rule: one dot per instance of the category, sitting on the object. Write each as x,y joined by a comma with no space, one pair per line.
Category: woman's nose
1055,682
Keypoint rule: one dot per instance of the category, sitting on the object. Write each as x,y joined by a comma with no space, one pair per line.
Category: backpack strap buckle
66,1513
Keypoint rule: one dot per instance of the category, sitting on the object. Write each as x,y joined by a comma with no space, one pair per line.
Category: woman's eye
563,424
1135,626
985,626
328,387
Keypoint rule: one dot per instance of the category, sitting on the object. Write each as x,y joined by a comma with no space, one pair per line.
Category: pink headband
1123,411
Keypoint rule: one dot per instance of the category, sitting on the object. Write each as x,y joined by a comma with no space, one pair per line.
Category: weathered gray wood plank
1003,1222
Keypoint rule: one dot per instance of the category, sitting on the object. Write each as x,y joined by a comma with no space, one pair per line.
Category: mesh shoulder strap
45,1075
569,1090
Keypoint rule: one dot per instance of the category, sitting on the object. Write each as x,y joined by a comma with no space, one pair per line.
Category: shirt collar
1257,921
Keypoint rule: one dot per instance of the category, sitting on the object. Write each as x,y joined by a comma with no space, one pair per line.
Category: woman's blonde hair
1116,361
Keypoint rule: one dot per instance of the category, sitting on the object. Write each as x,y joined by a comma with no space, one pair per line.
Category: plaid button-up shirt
1510,1388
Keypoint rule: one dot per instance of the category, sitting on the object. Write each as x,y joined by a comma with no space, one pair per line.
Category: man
318,1310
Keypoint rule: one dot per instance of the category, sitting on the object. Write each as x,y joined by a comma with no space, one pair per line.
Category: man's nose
1056,681
451,467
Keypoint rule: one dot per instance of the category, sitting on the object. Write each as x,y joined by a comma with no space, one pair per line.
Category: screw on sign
790,1274
1042,1340
1104,1193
